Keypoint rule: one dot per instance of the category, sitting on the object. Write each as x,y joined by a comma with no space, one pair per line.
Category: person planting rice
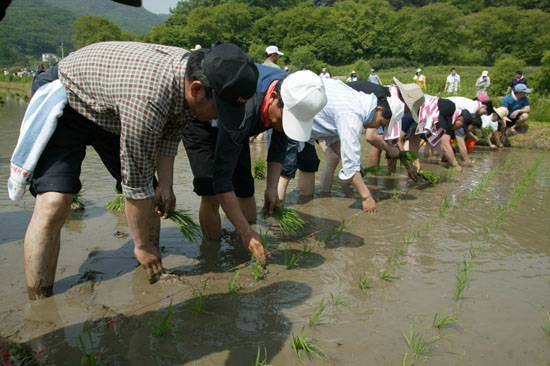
220,159
341,123
134,120
495,121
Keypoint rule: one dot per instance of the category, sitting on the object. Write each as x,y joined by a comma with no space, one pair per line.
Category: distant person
324,74
196,48
286,69
374,78
352,77
452,85
272,54
518,79
495,121
518,106
6,72
420,79
483,83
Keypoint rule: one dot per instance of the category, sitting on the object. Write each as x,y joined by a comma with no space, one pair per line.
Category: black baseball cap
233,78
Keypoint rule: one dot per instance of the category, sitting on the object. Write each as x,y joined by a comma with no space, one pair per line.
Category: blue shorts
305,160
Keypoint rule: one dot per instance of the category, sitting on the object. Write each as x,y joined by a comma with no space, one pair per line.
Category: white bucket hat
412,95
303,94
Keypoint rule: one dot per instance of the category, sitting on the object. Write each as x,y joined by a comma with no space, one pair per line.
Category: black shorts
58,169
199,140
513,121
305,160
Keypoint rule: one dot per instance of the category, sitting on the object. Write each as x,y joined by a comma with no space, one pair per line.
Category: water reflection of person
161,99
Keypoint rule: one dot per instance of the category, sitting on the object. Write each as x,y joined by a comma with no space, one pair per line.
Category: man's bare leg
282,187
42,241
248,207
209,218
306,183
332,159
521,120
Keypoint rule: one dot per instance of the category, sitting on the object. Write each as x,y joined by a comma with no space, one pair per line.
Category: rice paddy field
456,273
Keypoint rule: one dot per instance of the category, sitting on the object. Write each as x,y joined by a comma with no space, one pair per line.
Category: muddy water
98,288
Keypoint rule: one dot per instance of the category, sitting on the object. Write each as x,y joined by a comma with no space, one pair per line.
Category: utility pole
62,55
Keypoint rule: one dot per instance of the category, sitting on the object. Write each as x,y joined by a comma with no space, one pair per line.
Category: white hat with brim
397,108
273,49
412,95
502,113
303,94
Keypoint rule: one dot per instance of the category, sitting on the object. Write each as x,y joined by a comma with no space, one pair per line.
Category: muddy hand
150,259
271,200
413,173
369,204
164,201
255,247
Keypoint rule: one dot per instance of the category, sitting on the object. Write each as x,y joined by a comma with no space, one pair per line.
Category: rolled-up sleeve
141,125
349,127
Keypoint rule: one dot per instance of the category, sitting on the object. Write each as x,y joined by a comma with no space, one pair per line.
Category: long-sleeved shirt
344,116
135,90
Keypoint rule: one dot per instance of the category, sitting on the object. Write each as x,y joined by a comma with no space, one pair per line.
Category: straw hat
412,95
503,113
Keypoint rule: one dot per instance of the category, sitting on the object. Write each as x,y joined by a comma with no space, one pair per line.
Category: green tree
303,56
92,29
541,80
488,32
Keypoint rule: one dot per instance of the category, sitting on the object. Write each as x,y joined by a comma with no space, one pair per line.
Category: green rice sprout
407,158
233,286
289,221
392,263
264,361
77,202
188,227
339,299
118,203
341,228
444,207
88,359
364,281
264,239
432,178
473,251
461,283
307,248
419,344
200,299
256,269
318,313
163,324
259,169
546,324
395,195
373,169
301,343
441,321
292,260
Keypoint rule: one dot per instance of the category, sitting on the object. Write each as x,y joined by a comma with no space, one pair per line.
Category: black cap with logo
233,78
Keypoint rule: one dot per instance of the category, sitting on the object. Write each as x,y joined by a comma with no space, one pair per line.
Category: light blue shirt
346,113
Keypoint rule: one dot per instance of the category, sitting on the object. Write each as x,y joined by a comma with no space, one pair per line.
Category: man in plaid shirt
130,101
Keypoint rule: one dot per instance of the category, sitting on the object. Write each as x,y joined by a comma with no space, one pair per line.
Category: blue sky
159,6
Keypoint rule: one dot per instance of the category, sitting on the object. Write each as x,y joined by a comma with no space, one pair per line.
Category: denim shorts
305,160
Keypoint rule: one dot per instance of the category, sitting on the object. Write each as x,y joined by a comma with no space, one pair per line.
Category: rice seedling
339,299
288,220
292,260
118,203
318,313
395,195
439,322
420,345
324,238
301,343
432,178
407,158
88,359
264,361
364,281
386,274
163,324
461,282
307,248
546,324
259,169
233,286
374,170
473,251
188,227
256,269
264,239
200,299
467,266
341,228
444,207
77,202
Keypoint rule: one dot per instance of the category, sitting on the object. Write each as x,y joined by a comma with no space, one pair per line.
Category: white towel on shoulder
38,125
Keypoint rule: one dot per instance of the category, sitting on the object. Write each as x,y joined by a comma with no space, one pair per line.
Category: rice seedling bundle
374,170
118,203
431,177
77,203
288,220
259,169
187,226
407,158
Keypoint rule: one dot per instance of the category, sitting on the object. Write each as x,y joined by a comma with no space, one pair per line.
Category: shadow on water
233,325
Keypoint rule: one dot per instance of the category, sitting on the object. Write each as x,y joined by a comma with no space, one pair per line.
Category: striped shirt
135,90
344,117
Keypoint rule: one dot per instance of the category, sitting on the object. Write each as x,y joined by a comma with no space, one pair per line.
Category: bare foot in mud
150,259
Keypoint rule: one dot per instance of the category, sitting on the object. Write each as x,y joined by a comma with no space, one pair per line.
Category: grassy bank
17,88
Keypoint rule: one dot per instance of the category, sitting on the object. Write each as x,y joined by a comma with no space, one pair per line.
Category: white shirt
344,116
324,75
463,103
487,121
453,82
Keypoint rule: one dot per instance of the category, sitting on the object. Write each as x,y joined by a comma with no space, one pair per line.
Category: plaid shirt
135,90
